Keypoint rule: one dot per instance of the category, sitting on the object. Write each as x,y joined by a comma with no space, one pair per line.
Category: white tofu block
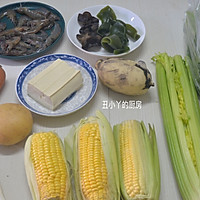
54,84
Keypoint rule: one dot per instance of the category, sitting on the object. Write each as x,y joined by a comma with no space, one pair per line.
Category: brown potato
15,123
2,77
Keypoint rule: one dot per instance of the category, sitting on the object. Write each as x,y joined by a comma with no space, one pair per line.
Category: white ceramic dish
122,13
73,103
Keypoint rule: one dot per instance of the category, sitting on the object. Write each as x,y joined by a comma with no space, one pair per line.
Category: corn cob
94,160
46,168
138,161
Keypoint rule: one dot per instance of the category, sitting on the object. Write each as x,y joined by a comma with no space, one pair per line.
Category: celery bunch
181,118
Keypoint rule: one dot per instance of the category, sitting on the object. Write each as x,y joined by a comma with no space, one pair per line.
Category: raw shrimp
23,20
2,26
45,12
13,31
17,52
8,45
53,36
35,37
37,25
33,14
11,14
28,35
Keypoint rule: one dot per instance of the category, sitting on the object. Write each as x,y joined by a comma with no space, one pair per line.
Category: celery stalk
180,111
170,129
194,121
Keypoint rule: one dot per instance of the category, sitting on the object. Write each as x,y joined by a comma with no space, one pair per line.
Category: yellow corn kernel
131,160
49,166
92,167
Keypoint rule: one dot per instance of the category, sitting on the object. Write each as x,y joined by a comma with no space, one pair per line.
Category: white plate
123,14
73,103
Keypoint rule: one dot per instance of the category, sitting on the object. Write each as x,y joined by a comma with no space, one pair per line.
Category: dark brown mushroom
86,18
88,36
89,40
89,28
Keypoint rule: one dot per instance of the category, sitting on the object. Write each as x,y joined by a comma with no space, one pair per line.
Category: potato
124,76
15,123
2,77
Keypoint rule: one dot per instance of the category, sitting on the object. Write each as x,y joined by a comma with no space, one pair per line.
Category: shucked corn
94,160
47,172
92,166
131,160
94,154
97,154
138,161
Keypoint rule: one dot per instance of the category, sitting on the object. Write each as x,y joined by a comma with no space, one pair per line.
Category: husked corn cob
95,161
46,167
93,172
138,161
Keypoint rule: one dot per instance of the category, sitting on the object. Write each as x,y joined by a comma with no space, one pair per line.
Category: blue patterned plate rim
21,84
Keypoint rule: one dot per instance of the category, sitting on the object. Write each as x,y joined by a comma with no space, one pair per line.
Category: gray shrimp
2,26
43,11
11,14
23,20
33,14
53,36
8,45
22,44
54,17
48,14
17,51
37,25
30,41
41,36
12,31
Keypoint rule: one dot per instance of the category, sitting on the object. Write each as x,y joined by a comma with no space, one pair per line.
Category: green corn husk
75,149
181,118
138,161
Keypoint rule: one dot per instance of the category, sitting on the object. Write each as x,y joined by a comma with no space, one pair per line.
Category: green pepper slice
104,29
119,51
115,32
119,29
132,32
110,43
106,14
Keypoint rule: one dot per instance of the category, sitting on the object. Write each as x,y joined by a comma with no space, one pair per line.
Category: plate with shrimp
28,29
